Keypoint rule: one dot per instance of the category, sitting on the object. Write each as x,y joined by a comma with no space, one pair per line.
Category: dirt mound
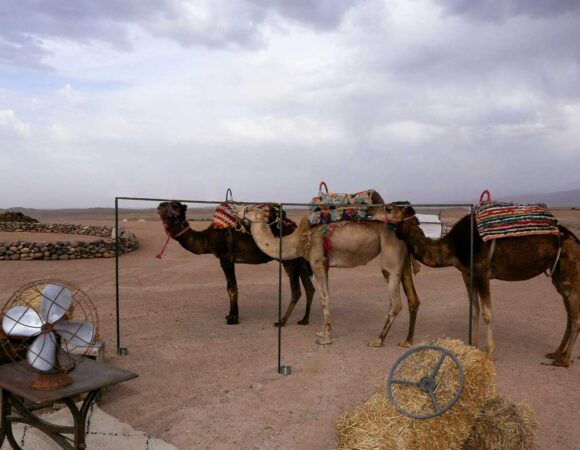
12,216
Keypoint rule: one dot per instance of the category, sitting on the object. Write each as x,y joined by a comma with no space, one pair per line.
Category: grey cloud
24,24
504,9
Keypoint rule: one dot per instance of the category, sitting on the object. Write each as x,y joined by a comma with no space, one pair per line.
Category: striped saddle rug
224,217
335,207
498,220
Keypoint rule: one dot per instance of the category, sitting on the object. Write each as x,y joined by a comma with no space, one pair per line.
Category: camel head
172,215
399,212
252,213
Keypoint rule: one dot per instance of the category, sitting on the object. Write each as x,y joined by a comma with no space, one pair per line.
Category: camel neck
431,252
195,241
268,243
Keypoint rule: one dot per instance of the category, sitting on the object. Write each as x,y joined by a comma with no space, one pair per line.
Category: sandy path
204,384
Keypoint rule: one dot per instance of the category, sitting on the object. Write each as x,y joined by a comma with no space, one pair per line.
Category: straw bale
503,425
377,425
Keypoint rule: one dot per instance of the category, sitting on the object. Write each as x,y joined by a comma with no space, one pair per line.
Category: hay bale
377,425
503,425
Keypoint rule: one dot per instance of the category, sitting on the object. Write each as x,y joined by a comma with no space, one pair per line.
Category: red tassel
160,254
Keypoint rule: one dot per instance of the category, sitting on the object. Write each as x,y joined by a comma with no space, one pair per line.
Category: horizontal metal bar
208,202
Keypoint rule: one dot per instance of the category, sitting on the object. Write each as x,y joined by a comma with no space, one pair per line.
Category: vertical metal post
117,274
471,249
280,223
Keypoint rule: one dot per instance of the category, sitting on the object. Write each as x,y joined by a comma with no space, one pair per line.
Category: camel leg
321,274
412,300
486,313
292,270
474,309
230,272
305,276
395,306
557,354
574,318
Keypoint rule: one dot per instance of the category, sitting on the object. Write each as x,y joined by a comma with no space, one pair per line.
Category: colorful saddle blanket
224,217
498,220
335,207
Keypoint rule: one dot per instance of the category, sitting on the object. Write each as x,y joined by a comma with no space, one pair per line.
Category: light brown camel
353,244
513,259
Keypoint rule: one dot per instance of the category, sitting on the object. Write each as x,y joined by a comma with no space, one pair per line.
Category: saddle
224,217
328,207
497,220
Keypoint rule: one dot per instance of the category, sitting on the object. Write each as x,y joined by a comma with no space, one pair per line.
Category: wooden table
18,396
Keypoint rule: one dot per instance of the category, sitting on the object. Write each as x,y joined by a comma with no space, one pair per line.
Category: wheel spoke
434,400
438,365
405,382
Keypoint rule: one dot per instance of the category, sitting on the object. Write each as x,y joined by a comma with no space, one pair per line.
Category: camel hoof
378,342
554,355
278,324
303,322
324,340
561,363
405,344
232,320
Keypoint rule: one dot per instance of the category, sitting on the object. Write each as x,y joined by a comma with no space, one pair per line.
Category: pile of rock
13,216
65,250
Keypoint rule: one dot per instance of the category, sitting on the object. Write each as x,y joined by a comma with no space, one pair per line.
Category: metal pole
121,351
471,247
117,274
281,212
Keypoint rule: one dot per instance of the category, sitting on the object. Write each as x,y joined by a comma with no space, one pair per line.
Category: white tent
431,225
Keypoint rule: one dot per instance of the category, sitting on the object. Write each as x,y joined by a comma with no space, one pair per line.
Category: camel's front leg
395,305
229,270
486,312
321,273
305,276
474,309
573,309
293,271
412,301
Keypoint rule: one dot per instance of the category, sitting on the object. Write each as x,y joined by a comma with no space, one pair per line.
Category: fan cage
82,309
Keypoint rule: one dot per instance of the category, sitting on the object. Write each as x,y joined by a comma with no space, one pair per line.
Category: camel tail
566,232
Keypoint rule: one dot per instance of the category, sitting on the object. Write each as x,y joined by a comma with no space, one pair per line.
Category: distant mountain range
561,199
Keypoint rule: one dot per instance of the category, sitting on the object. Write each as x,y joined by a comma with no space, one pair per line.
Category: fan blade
76,333
42,352
56,300
21,321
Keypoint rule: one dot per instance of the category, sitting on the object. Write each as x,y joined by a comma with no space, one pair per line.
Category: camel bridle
171,213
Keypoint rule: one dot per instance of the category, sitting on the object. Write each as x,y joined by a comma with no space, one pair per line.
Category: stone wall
64,250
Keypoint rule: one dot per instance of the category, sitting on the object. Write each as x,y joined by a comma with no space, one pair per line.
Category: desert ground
207,385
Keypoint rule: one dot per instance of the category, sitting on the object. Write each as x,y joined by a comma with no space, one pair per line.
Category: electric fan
53,323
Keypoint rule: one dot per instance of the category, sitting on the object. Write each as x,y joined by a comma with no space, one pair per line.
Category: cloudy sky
426,100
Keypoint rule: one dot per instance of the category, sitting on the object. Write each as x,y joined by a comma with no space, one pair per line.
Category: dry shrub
377,425
503,425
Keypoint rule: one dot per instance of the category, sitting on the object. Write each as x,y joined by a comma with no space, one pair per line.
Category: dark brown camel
513,259
232,247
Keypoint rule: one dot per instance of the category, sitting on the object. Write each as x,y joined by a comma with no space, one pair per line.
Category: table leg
55,432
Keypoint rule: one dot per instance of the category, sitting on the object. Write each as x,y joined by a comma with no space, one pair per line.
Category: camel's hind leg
321,273
395,307
305,276
392,271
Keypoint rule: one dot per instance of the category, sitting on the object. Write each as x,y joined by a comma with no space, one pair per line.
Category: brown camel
353,244
513,259
231,247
